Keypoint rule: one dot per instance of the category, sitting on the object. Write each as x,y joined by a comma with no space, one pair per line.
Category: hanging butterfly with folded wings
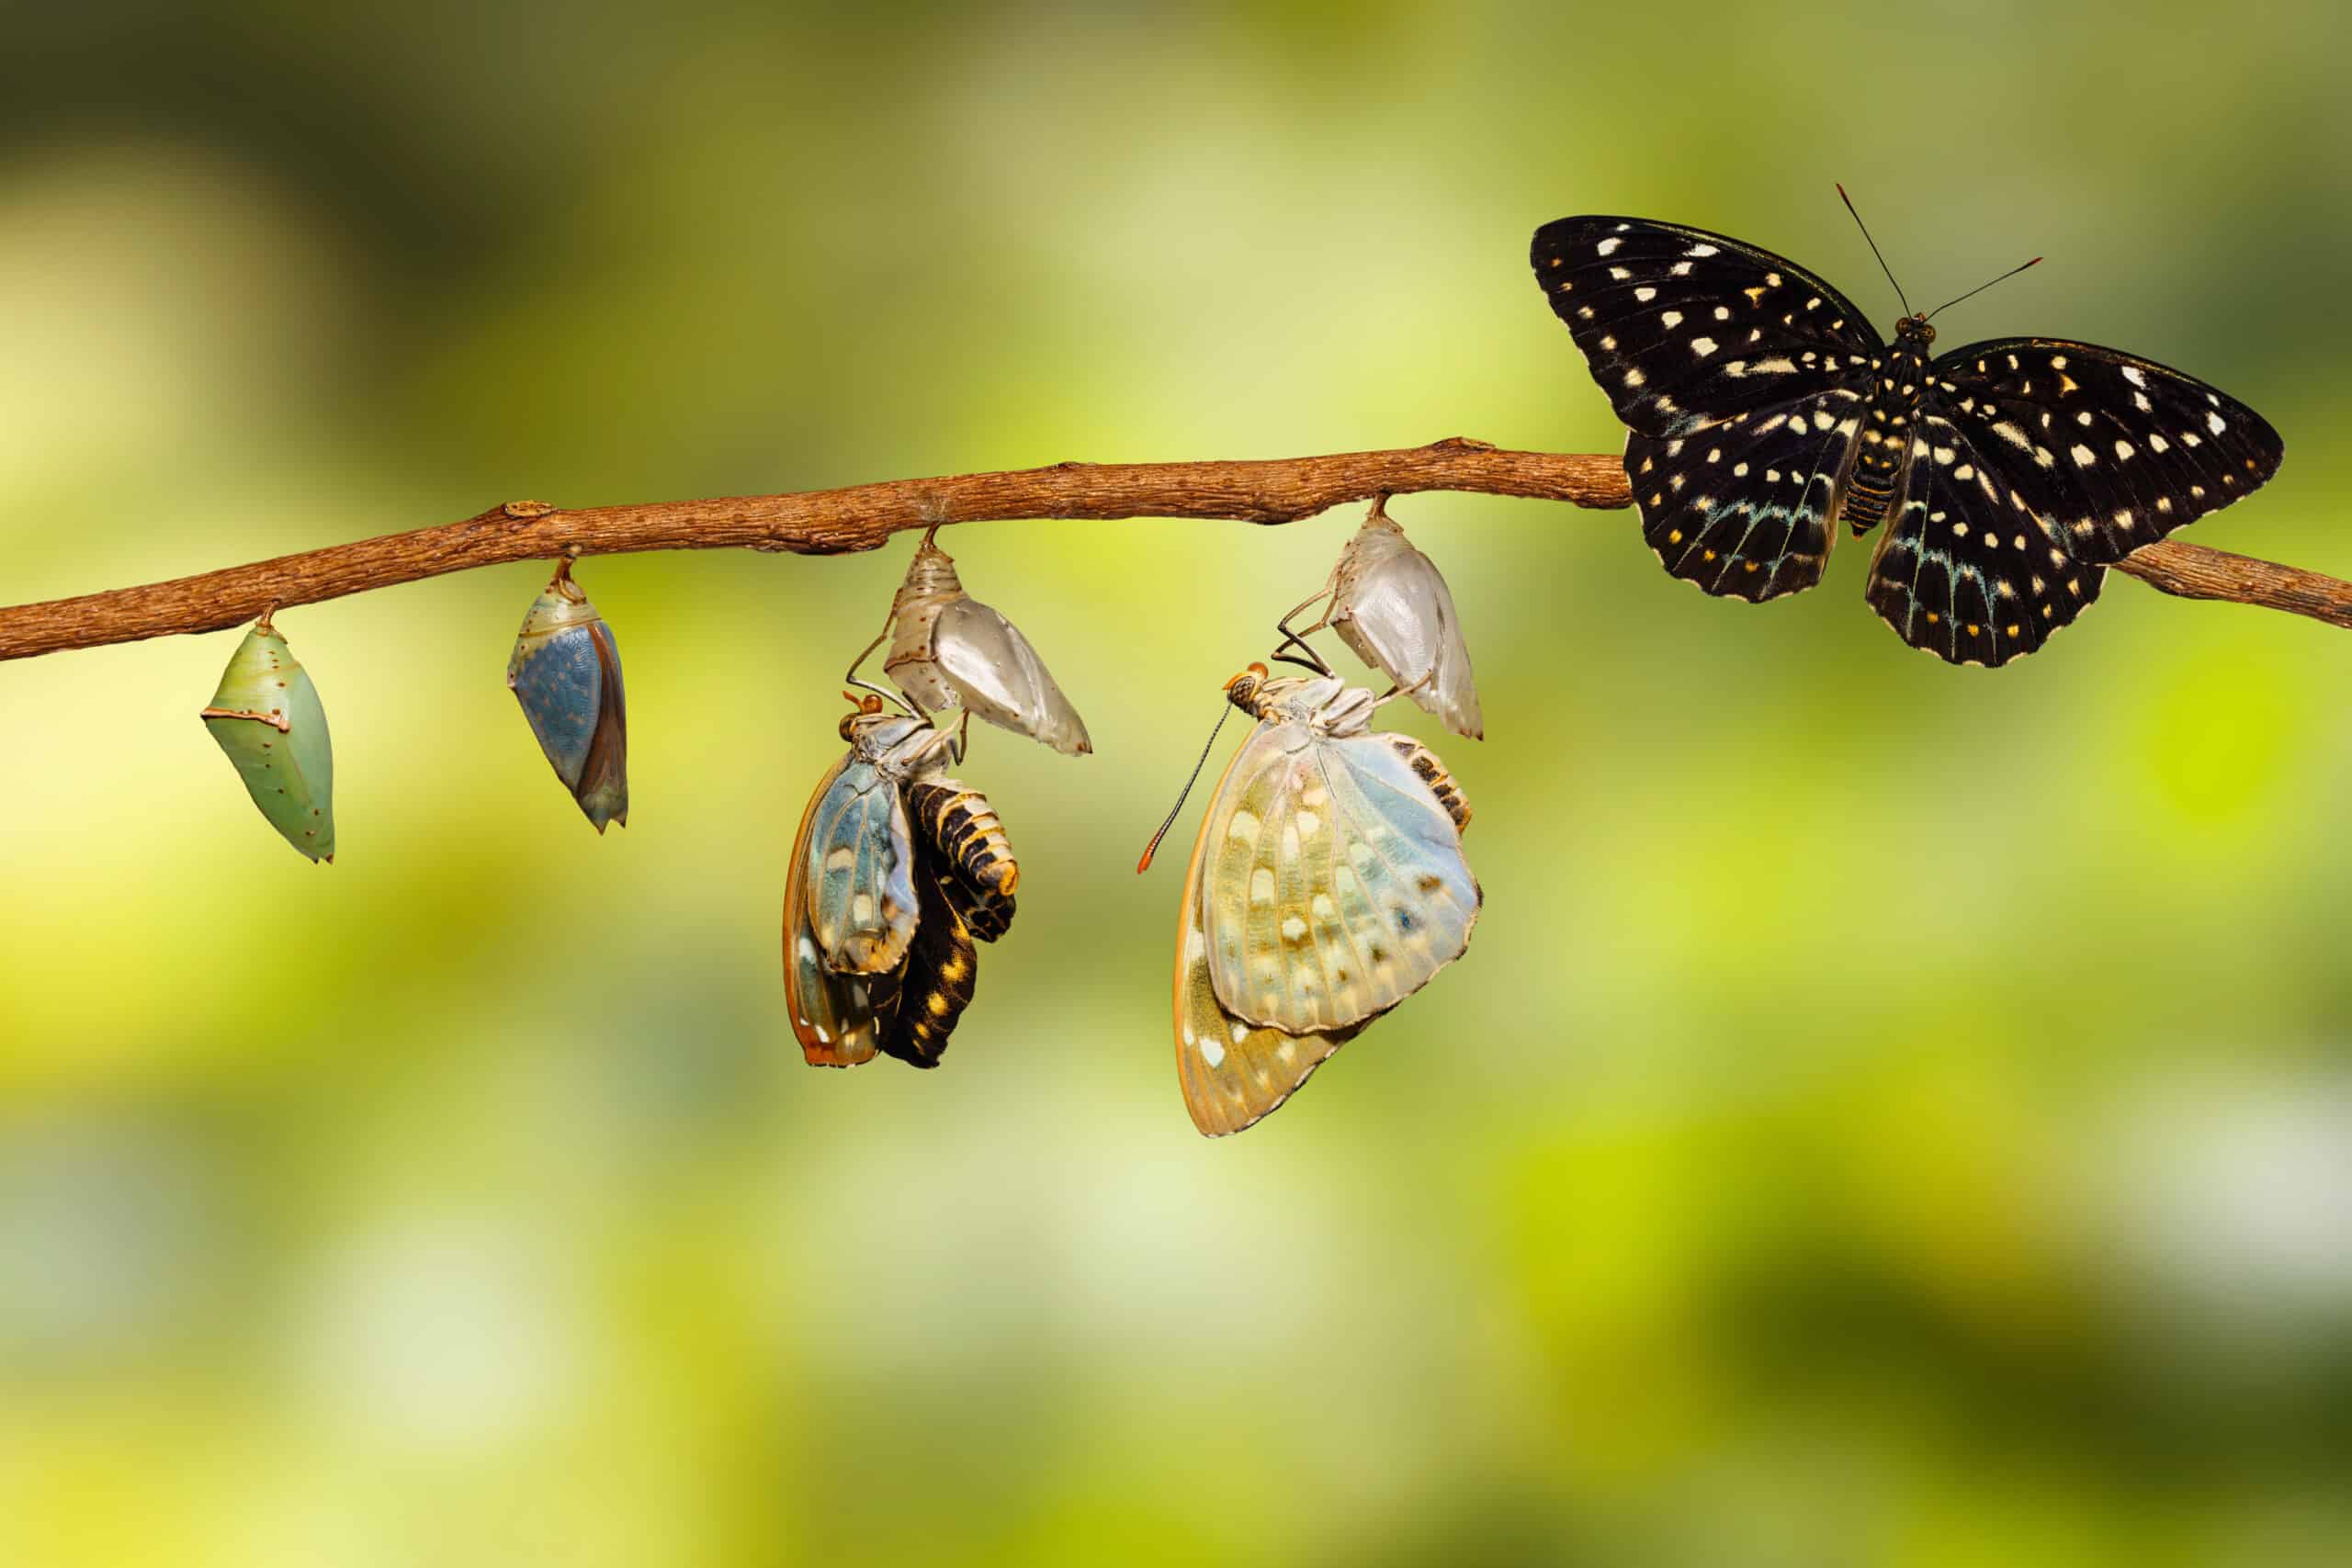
898,870
1327,886
1762,408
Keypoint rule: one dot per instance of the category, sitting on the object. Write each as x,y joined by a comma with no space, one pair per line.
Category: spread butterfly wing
2037,462
1683,327
1232,1072
2115,451
832,1014
858,865
1745,506
1969,568
1336,886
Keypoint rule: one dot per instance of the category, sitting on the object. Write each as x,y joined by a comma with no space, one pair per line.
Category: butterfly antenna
1153,847
1874,249
1982,287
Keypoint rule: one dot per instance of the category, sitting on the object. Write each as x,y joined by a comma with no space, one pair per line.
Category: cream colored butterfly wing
1232,1072
1334,884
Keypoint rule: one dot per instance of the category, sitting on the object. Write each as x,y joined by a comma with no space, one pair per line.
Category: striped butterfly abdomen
977,871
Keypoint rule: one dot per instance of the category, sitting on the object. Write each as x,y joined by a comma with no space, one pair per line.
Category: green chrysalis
267,721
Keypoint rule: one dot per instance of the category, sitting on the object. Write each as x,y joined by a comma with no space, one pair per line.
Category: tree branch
862,517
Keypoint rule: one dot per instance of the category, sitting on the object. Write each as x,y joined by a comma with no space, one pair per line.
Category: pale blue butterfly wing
832,1014
857,868
1335,884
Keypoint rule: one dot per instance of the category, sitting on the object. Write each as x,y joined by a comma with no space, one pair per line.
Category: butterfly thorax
1898,380
1325,703
898,746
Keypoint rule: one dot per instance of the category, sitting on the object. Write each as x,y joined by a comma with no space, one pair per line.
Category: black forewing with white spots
1683,327
2038,463
2118,451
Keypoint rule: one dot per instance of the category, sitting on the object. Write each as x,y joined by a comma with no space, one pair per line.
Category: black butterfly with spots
1761,407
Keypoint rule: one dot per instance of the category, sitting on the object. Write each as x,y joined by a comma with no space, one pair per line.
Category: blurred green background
1891,1113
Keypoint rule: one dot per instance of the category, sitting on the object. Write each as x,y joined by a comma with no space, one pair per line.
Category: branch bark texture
862,517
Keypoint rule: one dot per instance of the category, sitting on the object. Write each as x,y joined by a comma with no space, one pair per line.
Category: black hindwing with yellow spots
1762,410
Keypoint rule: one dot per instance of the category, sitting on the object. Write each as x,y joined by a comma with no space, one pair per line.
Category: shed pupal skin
1391,605
949,650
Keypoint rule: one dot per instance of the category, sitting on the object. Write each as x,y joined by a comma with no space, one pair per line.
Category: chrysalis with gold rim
897,872
267,721
566,674
1327,886
949,650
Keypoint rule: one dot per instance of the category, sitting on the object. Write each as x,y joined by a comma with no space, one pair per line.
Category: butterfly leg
1393,693
1297,639
850,676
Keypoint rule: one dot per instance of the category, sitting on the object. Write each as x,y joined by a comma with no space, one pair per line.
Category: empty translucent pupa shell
269,722
947,649
566,671
1390,605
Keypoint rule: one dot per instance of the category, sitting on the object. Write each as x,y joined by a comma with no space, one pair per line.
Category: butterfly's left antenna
1874,246
1153,847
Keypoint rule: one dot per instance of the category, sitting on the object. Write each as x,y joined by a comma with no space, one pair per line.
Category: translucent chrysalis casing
947,649
266,718
1391,605
566,673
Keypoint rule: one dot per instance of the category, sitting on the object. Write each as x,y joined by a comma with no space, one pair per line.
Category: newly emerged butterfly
896,872
1327,886
1762,408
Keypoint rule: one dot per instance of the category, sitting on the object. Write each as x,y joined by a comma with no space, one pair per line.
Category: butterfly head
1246,690
861,707
1914,328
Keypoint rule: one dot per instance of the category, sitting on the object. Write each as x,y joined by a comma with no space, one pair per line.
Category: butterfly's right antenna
1982,287
1874,246
1153,847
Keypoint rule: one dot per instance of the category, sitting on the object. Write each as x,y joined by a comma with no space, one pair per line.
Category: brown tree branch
863,516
